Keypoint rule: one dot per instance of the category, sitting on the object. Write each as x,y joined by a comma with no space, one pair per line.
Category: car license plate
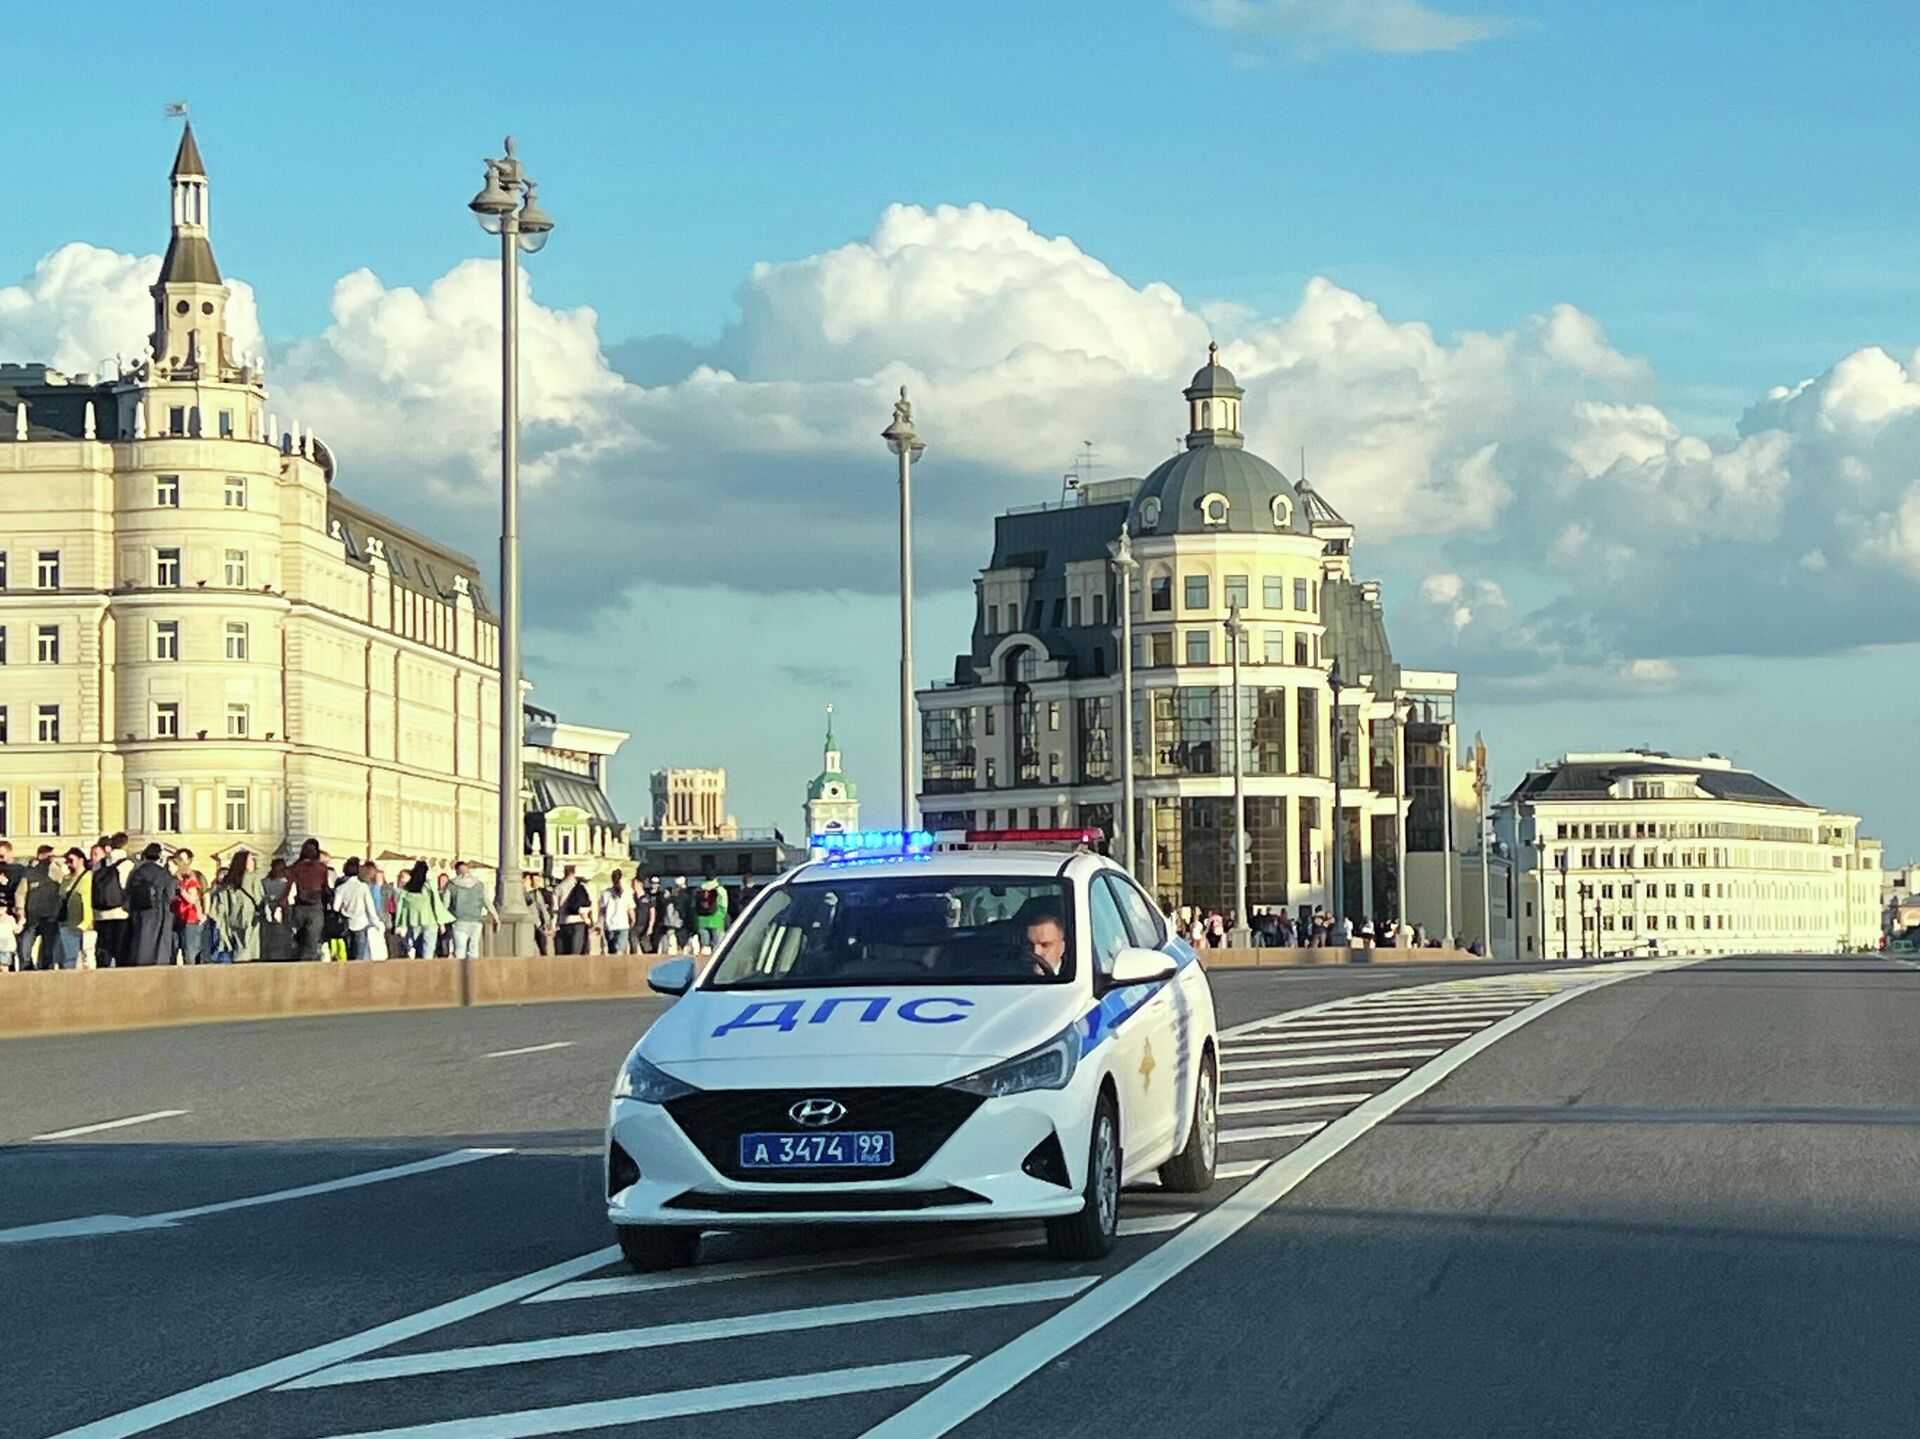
844,1149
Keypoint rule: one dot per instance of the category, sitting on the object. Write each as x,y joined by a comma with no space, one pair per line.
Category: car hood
917,1034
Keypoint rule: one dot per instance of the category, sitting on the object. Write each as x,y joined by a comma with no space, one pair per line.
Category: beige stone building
201,640
690,804
570,820
1640,852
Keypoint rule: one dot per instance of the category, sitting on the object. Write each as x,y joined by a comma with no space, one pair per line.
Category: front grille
804,1202
922,1119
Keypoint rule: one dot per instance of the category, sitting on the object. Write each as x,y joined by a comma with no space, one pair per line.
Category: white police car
1004,1035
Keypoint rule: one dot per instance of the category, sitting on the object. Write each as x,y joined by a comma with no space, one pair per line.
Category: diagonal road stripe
1247,1066
1307,1081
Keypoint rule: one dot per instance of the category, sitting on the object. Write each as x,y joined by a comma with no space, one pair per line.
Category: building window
239,721
166,720
1274,647
46,644
1053,715
236,810
226,424
946,751
166,568
166,491
1273,592
1199,647
236,492
1095,734
166,639
1299,594
3,569
1196,595
988,716
1299,648
236,634
1073,612
177,420
3,644
1053,769
6,818
989,772
46,570
166,810
3,740
236,569
1160,594
1186,730
1100,608
1236,591
46,812
46,724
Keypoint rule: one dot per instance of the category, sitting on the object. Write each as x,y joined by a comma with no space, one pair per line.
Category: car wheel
1090,1234
1191,1170
653,1246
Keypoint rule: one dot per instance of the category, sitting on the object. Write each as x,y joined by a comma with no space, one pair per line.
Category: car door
1149,1078
1174,1029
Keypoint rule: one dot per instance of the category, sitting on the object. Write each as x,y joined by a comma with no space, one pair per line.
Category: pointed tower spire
190,300
831,746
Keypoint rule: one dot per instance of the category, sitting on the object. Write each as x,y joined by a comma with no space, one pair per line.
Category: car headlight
647,1083
1049,1066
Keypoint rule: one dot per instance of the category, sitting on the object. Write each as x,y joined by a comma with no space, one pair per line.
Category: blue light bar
874,843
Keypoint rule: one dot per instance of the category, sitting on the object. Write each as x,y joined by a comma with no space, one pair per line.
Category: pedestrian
1216,930
645,903
470,908
617,912
149,931
76,917
710,913
109,884
238,908
1340,932
666,920
1285,935
189,932
418,913
540,906
573,913
380,899
9,939
353,902
443,941
307,883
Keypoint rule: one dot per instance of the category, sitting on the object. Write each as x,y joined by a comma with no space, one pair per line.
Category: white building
833,800
1025,734
570,820
201,640
1641,852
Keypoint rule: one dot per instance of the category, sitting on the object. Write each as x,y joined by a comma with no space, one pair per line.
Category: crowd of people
110,906
1273,928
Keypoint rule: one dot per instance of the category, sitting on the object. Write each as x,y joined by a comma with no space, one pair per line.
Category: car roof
960,864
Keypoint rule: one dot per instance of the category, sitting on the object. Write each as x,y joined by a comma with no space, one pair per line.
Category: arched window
1213,508
1282,512
1206,414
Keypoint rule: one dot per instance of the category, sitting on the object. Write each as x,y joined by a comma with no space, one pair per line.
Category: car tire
648,1247
1091,1232
1191,1170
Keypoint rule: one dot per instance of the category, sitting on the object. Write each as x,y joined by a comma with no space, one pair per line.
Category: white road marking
1414,1034
941,1410
215,1392
1344,1057
1155,1224
105,1124
677,1403
1302,1101
529,1049
659,1336
1271,1131
1235,1054
1390,1017
99,1224
1240,1169
1307,1081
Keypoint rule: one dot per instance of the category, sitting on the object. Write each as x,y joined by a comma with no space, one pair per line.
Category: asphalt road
1676,1203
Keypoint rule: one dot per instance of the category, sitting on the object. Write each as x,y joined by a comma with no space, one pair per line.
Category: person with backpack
573,913
238,907
110,902
149,932
709,913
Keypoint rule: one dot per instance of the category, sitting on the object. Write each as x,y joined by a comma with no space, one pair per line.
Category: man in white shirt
354,902
617,913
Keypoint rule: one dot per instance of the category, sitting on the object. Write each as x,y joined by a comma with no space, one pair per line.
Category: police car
897,1035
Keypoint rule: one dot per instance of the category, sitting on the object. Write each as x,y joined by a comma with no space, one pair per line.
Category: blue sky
1725,190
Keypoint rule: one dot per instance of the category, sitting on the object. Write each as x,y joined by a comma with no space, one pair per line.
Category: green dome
818,788
1173,499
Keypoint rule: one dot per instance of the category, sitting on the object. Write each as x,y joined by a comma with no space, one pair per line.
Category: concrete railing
76,1001
1280,958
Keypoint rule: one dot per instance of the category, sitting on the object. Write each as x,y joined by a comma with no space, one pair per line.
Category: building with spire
833,800
1025,733
202,640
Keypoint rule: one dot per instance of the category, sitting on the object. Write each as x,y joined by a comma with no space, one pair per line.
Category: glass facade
1096,739
1186,730
1307,726
947,756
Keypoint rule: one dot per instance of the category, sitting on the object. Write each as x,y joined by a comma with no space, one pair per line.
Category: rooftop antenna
176,109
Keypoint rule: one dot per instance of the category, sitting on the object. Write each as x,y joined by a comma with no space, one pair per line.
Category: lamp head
494,202
535,223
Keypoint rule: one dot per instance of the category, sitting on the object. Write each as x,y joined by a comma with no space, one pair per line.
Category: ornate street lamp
1335,683
1124,565
907,446
1241,936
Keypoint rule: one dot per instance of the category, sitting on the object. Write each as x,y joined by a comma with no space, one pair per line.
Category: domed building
833,800
1026,733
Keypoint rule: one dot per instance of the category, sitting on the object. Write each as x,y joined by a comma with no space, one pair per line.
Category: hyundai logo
817,1113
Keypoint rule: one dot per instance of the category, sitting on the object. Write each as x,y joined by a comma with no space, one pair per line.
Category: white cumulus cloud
1312,26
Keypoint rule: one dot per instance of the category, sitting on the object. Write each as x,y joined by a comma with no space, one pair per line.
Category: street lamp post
907,446
1403,717
1124,564
1336,684
1241,936
506,207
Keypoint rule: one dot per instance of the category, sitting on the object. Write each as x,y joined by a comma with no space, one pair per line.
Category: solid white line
529,1049
1344,1057
105,1124
1307,1081
941,1410
1234,1055
94,1225
1241,1169
206,1396
1303,1101
677,1403
1271,1131
1155,1223
660,1336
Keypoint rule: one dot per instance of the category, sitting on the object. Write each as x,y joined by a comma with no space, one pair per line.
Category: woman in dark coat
150,891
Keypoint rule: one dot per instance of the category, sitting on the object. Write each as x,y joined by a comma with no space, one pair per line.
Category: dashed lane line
529,1049
1271,1131
1238,1049
698,1331
677,1403
1308,1061
1308,1081
106,1124
1300,1101
1410,1035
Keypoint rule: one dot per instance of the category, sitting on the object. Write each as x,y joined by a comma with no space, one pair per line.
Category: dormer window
1282,512
1213,508
1150,511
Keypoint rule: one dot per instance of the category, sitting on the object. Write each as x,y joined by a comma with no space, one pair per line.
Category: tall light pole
1402,718
1480,796
506,207
1336,684
1124,564
1241,935
907,446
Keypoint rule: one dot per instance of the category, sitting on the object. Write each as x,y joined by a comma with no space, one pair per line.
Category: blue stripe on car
1116,1005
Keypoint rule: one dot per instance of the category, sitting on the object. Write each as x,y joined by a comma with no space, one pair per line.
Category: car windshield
899,929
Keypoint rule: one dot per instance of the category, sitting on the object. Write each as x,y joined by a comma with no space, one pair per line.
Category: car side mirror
1139,966
673,977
